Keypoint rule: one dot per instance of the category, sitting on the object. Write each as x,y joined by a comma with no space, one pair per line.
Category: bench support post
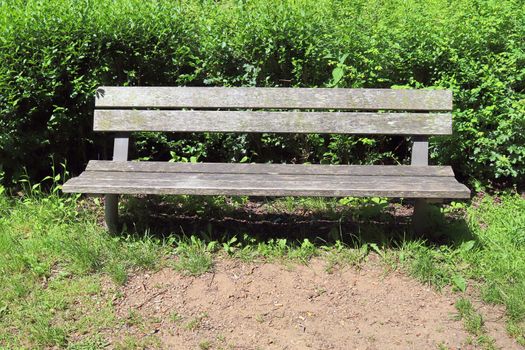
111,212
420,157
120,153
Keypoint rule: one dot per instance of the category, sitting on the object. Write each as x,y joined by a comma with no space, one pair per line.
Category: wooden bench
414,113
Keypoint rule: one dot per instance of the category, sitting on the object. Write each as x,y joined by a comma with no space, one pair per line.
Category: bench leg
111,212
420,217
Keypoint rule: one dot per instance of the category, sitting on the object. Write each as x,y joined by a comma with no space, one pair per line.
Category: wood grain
266,185
297,98
290,169
277,122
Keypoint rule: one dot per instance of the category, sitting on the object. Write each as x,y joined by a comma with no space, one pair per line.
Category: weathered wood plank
308,98
395,187
239,168
259,178
278,122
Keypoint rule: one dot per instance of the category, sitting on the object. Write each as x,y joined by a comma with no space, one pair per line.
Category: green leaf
337,75
468,245
459,283
376,249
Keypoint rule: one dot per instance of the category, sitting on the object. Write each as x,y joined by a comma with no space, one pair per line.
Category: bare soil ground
273,306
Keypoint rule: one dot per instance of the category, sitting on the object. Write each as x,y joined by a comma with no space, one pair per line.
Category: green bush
55,53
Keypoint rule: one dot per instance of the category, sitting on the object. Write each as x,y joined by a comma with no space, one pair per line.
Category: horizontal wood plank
256,178
277,122
266,185
296,98
290,169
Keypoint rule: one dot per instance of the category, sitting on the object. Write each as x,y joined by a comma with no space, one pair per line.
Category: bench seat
124,177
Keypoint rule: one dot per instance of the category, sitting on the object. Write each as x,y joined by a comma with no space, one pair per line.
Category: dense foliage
54,53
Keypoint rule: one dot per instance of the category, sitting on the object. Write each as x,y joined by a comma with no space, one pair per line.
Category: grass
517,332
493,257
205,345
195,322
474,323
340,256
54,260
134,319
175,317
60,270
194,256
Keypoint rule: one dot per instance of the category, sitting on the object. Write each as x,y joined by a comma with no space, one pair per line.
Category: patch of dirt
272,306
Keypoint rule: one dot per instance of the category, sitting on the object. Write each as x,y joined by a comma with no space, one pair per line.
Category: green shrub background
54,53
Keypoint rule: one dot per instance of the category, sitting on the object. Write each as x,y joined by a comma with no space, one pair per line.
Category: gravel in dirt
274,306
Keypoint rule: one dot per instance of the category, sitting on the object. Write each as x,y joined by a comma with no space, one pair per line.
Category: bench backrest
300,110
418,113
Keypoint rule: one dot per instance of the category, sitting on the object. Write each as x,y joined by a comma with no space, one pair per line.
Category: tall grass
499,225
52,256
488,259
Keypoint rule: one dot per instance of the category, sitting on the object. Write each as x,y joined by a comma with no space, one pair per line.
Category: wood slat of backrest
277,122
295,98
